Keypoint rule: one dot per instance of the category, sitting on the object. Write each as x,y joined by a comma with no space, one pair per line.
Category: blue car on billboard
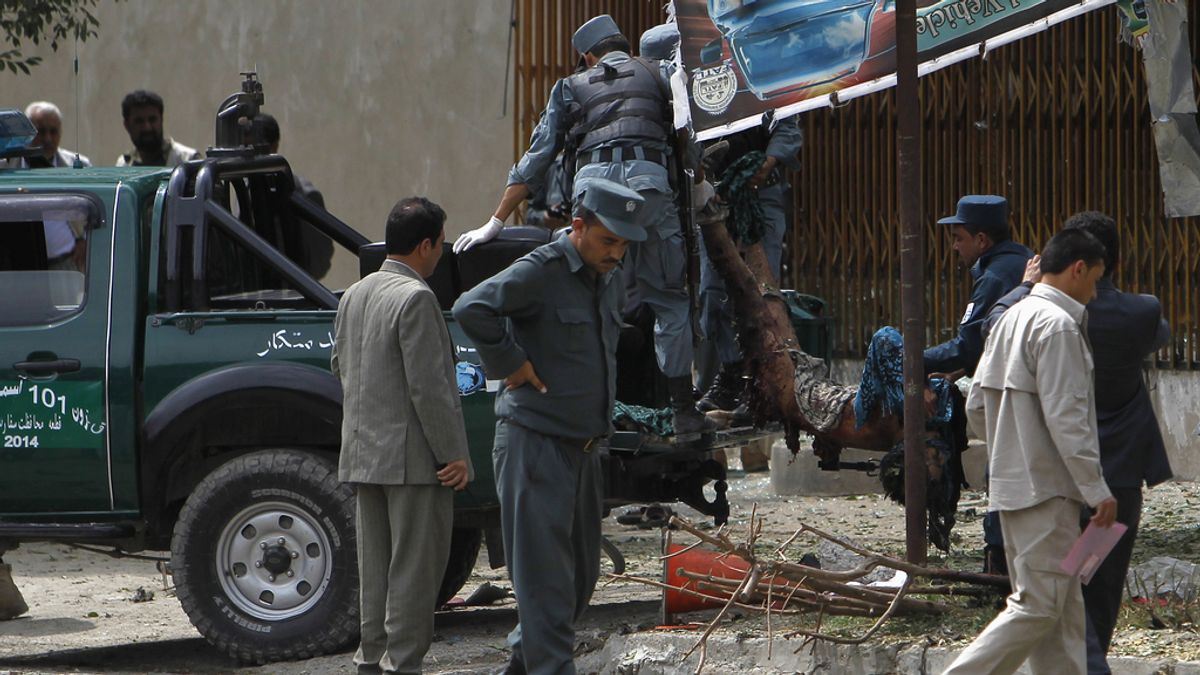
782,46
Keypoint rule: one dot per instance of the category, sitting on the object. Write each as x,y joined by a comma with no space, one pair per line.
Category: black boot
726,389
687,420
994,561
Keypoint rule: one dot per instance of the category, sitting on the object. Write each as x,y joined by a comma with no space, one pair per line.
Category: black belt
607,155
584,445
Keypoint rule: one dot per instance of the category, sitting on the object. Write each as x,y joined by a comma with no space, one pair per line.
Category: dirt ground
92,613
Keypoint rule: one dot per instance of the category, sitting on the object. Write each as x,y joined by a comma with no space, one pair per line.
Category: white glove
701,193
473,238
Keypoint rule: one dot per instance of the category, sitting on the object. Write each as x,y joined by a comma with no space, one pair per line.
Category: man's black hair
997,232
1103,228
139,98
612,43
270,127
585,214
1069,246
412,221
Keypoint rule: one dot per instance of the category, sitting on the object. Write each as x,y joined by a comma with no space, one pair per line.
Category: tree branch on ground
777,587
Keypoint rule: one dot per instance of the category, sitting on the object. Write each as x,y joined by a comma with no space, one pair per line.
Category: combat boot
726,389
686,419
12,604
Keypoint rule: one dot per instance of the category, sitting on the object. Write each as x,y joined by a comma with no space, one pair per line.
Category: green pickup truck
165,385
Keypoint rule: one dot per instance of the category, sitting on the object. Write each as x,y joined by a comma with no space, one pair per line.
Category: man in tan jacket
1032,400
403,439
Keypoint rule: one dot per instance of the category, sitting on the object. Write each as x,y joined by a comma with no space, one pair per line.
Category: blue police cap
592,32
988,213
659,42
617,207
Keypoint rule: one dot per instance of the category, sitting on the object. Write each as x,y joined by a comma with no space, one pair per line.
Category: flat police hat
987,213
617,207
659,42
591,33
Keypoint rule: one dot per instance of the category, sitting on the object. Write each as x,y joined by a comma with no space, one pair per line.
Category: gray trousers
403,546
716,315
1043,623
659,264
551,501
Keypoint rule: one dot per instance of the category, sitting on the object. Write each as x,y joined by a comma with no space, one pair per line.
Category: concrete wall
376,99
1176,397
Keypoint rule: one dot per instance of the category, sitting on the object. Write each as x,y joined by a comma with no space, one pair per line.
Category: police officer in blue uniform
982,239
549,325
780,140
614,118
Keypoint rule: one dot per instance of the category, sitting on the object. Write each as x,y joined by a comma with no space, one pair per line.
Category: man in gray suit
403,439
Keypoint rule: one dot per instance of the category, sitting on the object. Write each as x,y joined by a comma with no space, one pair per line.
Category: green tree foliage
36,21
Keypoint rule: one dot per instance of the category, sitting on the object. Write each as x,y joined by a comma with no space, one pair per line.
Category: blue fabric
470,378
882,383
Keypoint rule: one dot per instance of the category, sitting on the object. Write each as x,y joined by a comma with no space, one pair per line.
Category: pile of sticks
765,580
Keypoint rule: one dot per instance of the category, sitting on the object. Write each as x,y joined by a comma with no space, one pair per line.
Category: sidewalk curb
661,653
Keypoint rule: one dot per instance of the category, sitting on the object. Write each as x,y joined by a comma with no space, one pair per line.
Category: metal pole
912,279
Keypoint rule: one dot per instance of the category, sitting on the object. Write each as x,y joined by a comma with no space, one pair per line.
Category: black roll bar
190,208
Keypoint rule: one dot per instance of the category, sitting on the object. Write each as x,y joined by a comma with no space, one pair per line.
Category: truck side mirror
711,52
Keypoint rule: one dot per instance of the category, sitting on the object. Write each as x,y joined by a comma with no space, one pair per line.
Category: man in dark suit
1124,329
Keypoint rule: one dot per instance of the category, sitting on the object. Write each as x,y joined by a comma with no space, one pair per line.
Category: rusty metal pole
912,278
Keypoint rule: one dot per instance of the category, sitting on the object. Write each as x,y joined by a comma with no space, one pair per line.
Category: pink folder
1092,547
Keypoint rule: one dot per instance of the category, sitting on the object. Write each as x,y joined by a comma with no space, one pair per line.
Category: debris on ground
487,594
1164,576
749,575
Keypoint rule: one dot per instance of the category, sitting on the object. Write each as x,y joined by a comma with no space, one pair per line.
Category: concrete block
1176,398
655,653
1129,665
1183,668
800,475
924,659
975,461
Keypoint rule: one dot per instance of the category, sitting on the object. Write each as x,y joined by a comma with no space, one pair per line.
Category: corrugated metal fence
1058,123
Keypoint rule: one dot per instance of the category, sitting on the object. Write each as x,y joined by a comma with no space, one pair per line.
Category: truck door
54,328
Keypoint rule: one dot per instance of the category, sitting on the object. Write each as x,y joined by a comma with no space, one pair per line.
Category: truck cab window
43,262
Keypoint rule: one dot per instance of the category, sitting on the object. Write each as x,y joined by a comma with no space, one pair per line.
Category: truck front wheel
264,557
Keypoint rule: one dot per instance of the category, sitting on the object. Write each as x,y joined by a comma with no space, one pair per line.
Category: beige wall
376,99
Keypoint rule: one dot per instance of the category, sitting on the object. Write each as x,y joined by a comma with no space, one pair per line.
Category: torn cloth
1167,58
821,400
658,421
747,222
